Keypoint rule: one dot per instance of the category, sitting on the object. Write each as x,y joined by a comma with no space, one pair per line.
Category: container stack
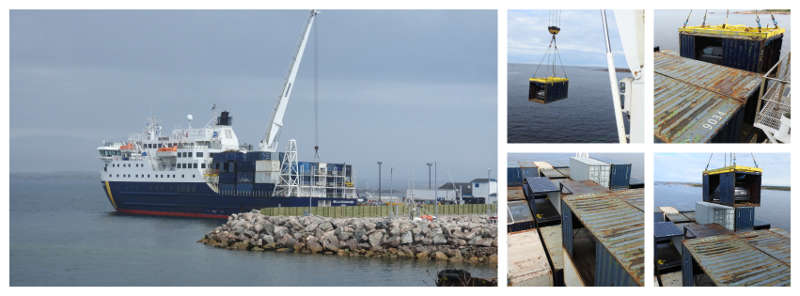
730,195
584,168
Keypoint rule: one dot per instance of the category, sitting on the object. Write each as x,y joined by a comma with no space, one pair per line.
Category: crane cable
687,18
553,59
316,94
733,158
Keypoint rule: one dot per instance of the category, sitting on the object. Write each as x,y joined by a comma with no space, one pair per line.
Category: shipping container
692,230
519,216
515,193
666,238
538,187
611,250
267,177
751,258
514,176
735,46
733,186
699,102
732,218
573,187
583,169
546,90
529,172
268,166
259,155
551,237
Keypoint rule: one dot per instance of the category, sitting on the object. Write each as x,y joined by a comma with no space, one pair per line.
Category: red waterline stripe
174,214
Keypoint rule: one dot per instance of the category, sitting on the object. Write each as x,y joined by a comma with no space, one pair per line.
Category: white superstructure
181,156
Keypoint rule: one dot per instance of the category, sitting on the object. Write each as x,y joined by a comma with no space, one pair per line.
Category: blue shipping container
620,176
754,55
514,176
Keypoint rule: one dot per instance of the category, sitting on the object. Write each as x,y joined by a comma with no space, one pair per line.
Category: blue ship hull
198,200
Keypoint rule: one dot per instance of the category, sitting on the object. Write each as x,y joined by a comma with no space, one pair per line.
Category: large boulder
407,238
313,244
375,239
329,241
439,239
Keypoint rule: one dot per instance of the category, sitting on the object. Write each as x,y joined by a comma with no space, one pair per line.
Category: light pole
429,175
391,183
436,192
380,163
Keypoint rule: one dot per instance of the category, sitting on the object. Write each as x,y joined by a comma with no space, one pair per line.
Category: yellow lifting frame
549,79
733,31
733,168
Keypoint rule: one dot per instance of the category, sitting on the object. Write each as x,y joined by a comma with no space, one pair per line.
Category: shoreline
764,187
457,239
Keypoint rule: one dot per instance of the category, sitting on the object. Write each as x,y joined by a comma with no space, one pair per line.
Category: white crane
270,141
630,25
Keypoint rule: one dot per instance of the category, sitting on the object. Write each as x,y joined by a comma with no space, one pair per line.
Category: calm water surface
775,207
587,115
63,232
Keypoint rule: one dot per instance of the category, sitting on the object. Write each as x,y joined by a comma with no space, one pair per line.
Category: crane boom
269,143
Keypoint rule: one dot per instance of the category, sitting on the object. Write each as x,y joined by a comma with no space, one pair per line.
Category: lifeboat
128,146
167,152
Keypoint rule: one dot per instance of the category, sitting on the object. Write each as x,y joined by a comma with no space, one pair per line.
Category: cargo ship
206,172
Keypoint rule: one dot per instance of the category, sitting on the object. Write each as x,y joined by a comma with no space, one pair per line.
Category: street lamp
380,163
429,175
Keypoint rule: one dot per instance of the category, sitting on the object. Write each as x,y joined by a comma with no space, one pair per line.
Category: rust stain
694,99
753,258
617,222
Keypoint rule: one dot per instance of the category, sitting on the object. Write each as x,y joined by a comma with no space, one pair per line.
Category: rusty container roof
694,99
774,242
515,193
552,173
616,224
582,187
752,258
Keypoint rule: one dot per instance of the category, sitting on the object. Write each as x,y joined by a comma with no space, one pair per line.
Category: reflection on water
64,233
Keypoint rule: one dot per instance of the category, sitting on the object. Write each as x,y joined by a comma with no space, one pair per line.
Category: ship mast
269,143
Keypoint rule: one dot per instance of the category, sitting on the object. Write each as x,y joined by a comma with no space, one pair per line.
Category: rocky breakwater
470,239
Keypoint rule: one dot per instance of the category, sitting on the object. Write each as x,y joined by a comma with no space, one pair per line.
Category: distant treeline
764,11
767,187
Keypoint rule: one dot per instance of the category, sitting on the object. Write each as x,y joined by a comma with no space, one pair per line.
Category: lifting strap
552,59
687,18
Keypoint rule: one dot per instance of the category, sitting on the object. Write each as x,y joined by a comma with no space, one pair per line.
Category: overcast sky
688,167
405,87
580,43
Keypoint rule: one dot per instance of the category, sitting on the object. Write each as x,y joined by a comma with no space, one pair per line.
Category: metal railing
774,99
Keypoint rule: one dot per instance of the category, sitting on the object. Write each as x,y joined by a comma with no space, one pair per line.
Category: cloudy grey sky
404,87
580,43
688,167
